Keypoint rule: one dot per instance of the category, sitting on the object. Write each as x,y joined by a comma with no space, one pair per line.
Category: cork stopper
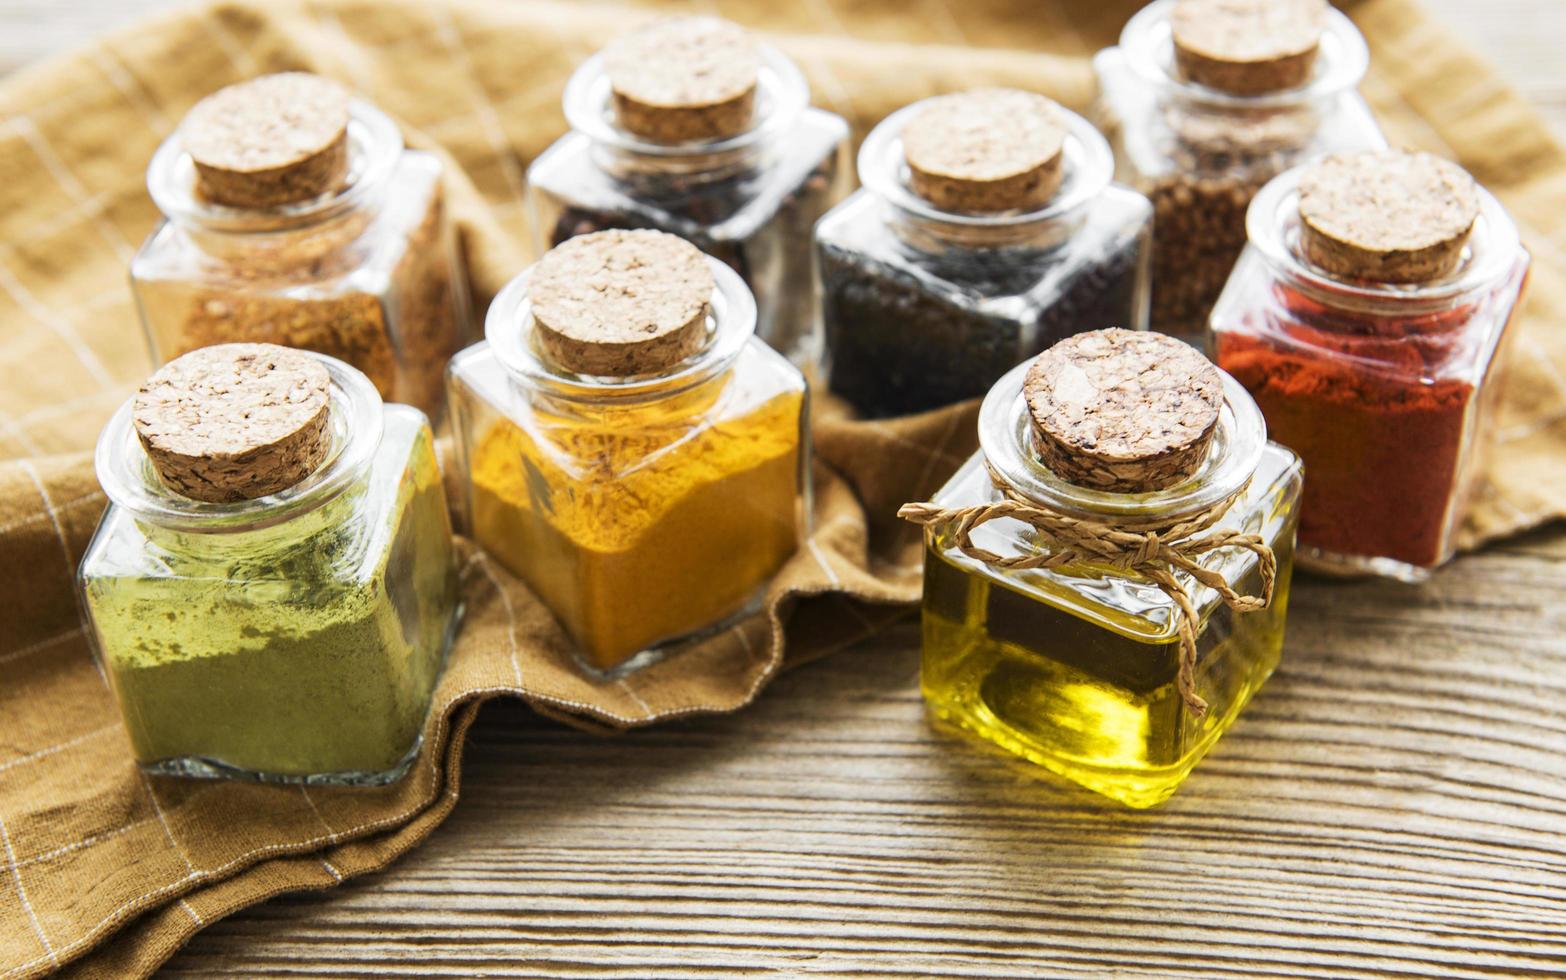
274,140
1122,410
235,421
1387,215
993,149
621,303
1247,47
684,79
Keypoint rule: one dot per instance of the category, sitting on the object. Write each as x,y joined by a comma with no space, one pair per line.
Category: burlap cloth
109,872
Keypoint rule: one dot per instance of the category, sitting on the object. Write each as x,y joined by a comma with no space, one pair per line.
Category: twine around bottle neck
1157,548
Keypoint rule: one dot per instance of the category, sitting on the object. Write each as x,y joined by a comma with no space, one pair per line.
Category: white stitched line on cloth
16,876
237,54
200,922
837,583
837,96
446,29
646,708
331,870
59,326
51,750
167,830
121,79
59,508
40,645
750,648
34,137
305,792
958,36
511,615
54,517
78,845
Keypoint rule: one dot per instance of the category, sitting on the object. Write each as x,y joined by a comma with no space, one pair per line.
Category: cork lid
621,303
1386,215
684,79
235,421
1122,410
1247,47
273,140
992,149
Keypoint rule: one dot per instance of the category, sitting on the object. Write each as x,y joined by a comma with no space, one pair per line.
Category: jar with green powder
273,588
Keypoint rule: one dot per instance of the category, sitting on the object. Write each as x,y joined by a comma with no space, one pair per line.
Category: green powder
309,649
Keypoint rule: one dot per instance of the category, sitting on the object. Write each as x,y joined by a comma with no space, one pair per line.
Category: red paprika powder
1385,389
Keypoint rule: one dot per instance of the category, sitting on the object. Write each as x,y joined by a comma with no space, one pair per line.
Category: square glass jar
1200,154
923,307
297,637
369,274
749,200
1388,392
1075,668
645,512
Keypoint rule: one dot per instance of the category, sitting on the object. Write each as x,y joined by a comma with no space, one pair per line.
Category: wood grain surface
1392,804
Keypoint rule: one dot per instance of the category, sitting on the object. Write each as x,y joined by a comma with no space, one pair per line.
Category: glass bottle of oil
1075,668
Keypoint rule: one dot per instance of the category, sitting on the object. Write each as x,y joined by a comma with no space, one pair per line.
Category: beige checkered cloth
106,872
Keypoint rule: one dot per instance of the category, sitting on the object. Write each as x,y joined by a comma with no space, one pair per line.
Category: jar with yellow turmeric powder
632,451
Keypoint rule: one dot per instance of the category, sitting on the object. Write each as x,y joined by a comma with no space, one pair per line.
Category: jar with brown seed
294,215
1204,101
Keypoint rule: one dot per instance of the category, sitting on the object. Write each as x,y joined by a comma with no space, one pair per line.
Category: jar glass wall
1388,392
749,200
369,273
924,307
296,637
1200,154
647,511
1075,668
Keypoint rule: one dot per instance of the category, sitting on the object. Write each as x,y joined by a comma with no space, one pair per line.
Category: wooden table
1393,803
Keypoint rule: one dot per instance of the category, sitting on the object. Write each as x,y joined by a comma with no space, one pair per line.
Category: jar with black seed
692,127
1204,101
987,229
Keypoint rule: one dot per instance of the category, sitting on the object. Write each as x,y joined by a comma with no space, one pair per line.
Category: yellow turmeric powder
642,524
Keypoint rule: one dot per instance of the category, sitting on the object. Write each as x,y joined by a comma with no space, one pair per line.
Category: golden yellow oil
1094,701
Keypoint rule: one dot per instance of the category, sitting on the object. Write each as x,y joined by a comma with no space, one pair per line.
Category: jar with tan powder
1204,101
295,216
631,451
692,127
273,589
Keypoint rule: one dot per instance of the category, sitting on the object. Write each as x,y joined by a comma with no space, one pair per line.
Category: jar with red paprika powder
1204,101
1367,318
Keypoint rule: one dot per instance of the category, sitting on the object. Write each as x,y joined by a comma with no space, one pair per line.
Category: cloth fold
105,872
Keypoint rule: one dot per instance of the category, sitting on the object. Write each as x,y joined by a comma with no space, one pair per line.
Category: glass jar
645,511
749,199
1200,154
1387,391
368,273
296,637
1075,668
923,307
